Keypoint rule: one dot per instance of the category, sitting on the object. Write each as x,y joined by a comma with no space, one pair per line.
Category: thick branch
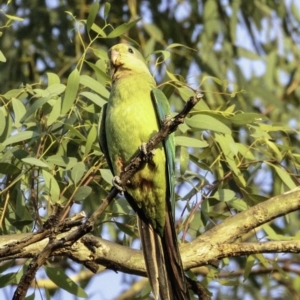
216,243
236,226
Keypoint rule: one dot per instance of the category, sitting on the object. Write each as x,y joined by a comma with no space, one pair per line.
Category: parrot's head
125,59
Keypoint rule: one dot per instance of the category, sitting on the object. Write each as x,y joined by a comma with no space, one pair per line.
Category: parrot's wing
102,136
174,270
162,109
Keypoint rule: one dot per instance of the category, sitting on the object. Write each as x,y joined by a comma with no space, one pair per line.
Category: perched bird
130,118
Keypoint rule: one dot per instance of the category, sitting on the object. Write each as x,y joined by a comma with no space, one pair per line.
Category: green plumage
131,117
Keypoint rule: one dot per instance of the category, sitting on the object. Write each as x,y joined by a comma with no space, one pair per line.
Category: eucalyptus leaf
59,277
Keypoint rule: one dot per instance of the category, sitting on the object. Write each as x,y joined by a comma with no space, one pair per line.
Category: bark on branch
216,243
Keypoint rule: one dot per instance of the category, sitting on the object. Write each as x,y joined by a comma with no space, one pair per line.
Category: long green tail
163,261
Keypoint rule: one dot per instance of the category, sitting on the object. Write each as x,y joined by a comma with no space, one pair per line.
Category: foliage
237,148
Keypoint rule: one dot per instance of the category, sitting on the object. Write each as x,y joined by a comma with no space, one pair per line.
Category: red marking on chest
120,164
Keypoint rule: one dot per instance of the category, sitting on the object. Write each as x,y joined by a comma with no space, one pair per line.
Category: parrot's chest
130,121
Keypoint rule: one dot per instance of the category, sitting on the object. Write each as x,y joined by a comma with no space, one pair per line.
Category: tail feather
154,260
163,261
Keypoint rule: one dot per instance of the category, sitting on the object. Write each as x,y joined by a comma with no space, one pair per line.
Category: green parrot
131,117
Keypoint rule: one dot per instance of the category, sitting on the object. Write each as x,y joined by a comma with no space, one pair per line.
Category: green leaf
122,29
285,176
91,138
98,30
19,111
229,151
223,195
245,118
101,54
154,31
20,137
77,172
245,151
106,9
74,131
94,8
106,175
56,89
31,297
35,162
59,277
94,85
62,161
238,204
51,185
126,229
7,279
34,107
204,122
71,91
100,73
55,112
190,142
184,159
94,98
14,18
13,93
121,207
52,78
2,57
262,259
2,121
82,193
249,264
6,265
185,93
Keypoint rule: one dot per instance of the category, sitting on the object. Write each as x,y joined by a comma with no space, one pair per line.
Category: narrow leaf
71,91
122,29
20,137
223,195
285,177
77,172
19,111
55,112
51,185
2,121
52,78
204,122
106,175
34,107
35,162
56,89
94,98
190,142
82,193
91,138
92,15
59,277
2,57
184,160
94,85
106,9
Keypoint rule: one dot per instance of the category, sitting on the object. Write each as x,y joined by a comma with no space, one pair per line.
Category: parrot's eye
130,50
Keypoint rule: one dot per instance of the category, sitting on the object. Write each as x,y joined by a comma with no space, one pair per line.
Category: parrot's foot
147,155
117,183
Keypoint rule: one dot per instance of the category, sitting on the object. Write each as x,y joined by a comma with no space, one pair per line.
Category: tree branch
94,250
